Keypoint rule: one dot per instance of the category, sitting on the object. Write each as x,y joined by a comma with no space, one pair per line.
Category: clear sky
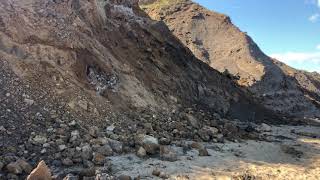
288,30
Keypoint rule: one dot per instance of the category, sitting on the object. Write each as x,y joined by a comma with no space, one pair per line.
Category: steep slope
216,41
69,66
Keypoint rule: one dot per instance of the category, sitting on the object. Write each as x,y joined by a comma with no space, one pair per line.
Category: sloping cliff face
216,41
102,62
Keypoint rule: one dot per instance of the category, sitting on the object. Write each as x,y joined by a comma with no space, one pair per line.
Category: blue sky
288,30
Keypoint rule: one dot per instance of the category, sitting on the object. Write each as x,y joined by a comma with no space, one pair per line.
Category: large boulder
41,172
149,143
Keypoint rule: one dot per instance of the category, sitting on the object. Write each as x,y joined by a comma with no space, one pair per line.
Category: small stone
71,177
168,154
203,152
29,101
1,165
62,147
264,128
75,133
192,121
206,133
116,145
43,151
105,150
67,162
72,123
156,172
141,152
93,131
14,168
88,172
163,175
124,177
46,145
98,159
86,152
164,141
2,129
197,145
111,128
40,139
8,94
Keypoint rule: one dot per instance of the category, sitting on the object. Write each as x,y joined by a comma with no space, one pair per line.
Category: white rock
62,147
29,101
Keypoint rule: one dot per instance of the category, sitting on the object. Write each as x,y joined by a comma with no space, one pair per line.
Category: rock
1,165
168,154
164,141
141,152
292,151
62,147
203,152
2,129
196,145
75,133
14,168
105,150
29,101
89,172
110,128
67,162
149,143
148,128
71,177
72,123
98,159
124,177
26,167
41,172
156,172
230,130
93,131
206,133
40,139
192,121
264,128
86,152
116,145
163,175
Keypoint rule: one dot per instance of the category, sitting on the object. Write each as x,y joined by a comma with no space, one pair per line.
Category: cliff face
216,41
101,62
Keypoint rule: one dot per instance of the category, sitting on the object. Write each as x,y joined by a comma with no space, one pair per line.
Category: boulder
14,168
168,154
98,159
149,143
207,132
264,128
192,121
203,152
41,172
39,139
124,177
141,152
116,146
86,152
26,167
105,150
67,162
